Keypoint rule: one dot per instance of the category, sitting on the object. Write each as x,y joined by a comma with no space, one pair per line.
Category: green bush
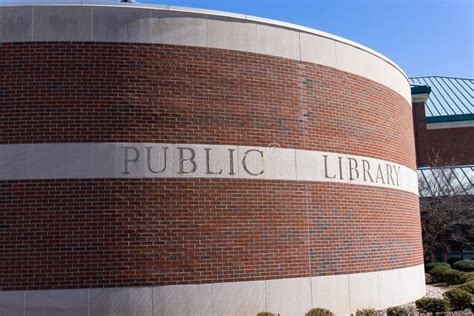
467,277
409,310
468,286
428,278
431,265
458,299
448,275
437,272
453,260
464,265
266,314
452,276
394,311
319,312
400,311
366,312
432,305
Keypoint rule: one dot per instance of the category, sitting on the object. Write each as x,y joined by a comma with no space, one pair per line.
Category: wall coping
305,44
217,13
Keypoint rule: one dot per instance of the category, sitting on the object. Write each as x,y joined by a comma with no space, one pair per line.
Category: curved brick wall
175,94
99,233
177,234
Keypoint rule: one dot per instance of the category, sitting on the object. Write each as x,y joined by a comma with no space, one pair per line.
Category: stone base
341,294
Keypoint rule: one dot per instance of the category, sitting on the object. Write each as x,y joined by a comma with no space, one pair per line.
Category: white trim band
193,27
455,124
342,294
151,160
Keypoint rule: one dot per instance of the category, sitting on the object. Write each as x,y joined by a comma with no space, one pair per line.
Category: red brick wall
421,143
79,233
129,92
454,145
446,146
93,233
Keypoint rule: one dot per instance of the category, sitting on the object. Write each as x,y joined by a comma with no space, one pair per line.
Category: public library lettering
224,161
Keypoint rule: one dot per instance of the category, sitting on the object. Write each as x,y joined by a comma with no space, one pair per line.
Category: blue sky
424,37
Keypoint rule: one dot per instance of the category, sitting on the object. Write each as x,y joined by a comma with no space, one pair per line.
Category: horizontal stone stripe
342,294
446,125
151,160
178,26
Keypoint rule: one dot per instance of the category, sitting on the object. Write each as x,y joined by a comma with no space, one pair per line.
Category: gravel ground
435,291
432,291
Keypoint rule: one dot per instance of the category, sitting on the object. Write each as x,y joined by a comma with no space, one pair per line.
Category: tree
446,206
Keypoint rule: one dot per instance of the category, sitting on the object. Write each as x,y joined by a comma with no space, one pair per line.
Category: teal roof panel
449,96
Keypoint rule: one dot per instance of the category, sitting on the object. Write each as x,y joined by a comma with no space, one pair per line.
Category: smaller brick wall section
419,125
454,145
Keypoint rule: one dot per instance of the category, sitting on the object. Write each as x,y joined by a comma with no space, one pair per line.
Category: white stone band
200,28
142,160
455,124
342,294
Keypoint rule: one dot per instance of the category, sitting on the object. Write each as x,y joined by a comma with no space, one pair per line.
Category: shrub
448,275
453,260
394,311
409,310
431,265
452,276
464,265
319,312
428,278
432,305
468,286
366,312
437,272
266,314
467,277
400,311
458,299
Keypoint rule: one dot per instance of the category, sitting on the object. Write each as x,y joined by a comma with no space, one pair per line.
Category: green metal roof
449,98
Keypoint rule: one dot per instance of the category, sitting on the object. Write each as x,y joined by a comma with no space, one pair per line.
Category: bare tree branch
446,207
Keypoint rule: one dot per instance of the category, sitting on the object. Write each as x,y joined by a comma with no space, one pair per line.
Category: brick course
100,233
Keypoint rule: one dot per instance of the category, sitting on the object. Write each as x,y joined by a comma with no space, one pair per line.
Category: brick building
445,124
443,115
170,161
